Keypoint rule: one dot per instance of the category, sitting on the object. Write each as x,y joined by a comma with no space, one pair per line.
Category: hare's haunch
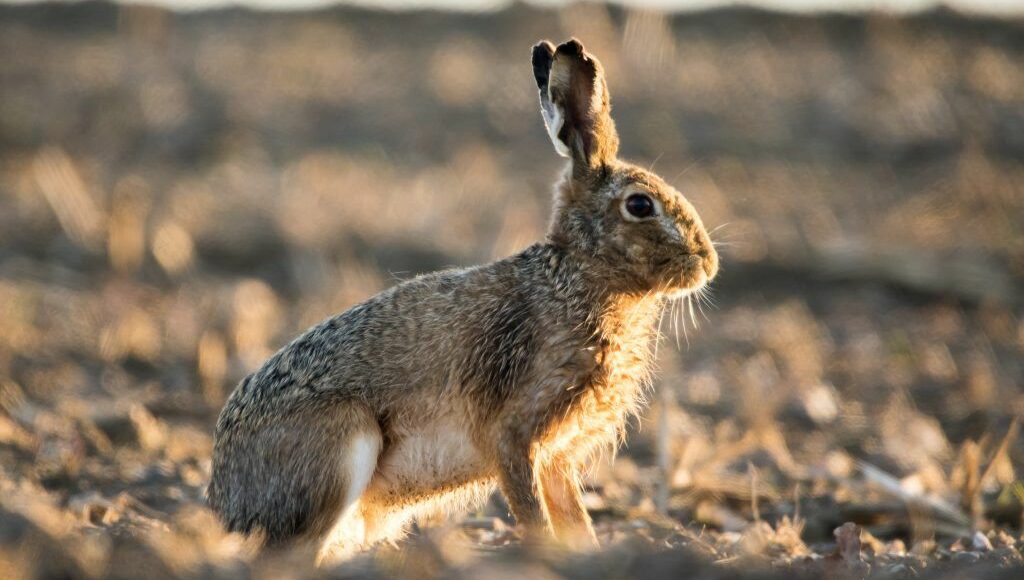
422,398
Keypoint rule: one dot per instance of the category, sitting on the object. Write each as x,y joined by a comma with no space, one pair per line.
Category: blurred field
181,194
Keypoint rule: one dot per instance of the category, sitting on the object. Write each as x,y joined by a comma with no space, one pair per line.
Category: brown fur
515,373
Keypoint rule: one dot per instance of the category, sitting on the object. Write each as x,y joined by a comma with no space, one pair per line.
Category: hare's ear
575,104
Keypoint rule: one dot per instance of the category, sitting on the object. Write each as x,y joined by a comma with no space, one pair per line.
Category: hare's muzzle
701,247
693,271
709,262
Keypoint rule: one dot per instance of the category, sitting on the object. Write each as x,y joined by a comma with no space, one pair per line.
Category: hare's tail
297,477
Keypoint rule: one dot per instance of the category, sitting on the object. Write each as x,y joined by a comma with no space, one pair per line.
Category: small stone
981,543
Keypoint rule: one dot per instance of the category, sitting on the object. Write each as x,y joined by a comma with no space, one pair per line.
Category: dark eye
639,205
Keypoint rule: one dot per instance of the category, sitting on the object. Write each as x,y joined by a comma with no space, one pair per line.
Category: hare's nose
711,262
700,245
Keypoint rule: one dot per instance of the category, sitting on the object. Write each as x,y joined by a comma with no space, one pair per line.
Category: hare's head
638,231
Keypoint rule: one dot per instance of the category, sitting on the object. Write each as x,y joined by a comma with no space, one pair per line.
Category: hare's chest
594,423
610,392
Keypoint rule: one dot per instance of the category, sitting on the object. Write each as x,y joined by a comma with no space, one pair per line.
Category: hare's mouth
689,284
691,276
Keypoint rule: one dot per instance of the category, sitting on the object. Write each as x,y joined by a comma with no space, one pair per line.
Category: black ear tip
543,54
572,47
543,46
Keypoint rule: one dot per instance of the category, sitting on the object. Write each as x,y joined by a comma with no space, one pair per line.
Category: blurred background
183,192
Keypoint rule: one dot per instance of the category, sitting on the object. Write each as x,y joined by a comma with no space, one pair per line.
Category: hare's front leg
569,518
517,477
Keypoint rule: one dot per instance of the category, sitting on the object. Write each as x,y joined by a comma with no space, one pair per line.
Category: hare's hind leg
359,449
291,474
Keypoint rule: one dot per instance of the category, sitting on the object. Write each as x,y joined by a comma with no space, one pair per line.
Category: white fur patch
349,531
553,120
361,463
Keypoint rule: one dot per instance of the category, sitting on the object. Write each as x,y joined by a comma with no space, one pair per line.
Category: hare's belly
422,462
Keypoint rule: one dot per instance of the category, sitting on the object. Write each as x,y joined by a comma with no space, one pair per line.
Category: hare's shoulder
524,269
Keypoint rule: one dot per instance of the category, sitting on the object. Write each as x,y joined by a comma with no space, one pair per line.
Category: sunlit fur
517,373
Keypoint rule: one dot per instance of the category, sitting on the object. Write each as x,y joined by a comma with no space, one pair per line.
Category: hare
421,399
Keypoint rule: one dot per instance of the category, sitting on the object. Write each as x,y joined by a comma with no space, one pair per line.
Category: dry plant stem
1002,451
932,505
976,478
754,509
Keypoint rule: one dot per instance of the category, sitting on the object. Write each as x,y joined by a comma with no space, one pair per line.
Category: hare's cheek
636,252
618,243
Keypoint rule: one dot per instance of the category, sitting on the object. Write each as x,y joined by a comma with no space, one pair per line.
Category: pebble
981,543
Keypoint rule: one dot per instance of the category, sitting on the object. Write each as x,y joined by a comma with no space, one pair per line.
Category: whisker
718,227
734,237
711,300
683,172
675,322
686,309
727,236
703,297
655,162
685,334
700,308
658,336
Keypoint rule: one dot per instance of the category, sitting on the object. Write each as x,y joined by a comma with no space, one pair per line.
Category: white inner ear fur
554,117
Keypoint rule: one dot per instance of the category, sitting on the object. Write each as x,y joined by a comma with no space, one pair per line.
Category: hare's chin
700,283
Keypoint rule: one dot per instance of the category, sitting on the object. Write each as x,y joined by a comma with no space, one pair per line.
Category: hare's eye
639,205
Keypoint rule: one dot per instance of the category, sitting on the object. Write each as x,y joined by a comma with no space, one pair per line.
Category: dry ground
180,194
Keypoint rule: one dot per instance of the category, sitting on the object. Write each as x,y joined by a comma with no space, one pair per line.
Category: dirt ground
182,193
